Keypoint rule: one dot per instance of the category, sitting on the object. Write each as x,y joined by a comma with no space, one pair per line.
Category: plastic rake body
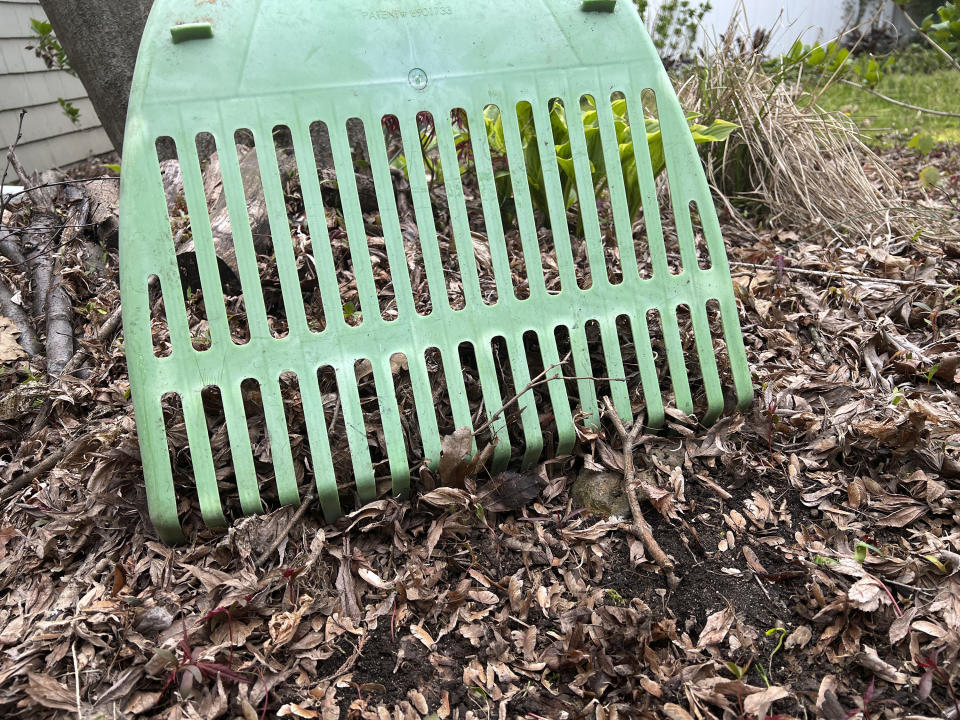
215,68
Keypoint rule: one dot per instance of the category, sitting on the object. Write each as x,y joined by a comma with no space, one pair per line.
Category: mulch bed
816,539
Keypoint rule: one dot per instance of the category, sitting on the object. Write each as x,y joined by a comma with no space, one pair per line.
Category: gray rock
154,620
601,493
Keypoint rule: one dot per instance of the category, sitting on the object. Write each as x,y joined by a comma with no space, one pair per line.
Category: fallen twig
297,516
634,490
936,46
10,249
532,384
846,276
106,331
50,300
6,169
48,463
900,103
539,380
28,336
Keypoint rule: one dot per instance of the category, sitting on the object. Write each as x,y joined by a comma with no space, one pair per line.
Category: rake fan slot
265,233
306,225
160,330
222,239
402,214
182,239
704,260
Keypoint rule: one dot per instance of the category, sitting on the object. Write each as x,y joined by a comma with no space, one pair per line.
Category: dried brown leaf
758,704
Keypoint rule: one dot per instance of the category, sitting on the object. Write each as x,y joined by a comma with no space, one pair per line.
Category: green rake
217,67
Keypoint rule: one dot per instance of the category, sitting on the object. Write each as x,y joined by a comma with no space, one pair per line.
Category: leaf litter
815,540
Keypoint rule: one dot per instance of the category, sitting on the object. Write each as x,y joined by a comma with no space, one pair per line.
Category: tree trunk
101,38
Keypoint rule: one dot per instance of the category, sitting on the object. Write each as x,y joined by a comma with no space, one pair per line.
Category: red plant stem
393,621
266,696
896,605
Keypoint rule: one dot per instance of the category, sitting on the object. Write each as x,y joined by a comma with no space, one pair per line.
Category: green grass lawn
938,89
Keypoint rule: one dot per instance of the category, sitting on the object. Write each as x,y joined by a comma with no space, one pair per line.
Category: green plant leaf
935,561
816,56
922,142
735,670
930,177
718,131
41,27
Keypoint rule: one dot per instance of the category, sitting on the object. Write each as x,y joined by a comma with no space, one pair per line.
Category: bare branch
28,336
908,106
640,528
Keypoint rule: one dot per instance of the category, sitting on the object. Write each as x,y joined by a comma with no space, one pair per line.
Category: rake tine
353,217
240,451
585,384
493,220
392,428
203,242
463,240
390,221
615,371
161,495
556,386
456,389
585,192
675,360
708,363
276,420
524,206
280,231
202,459
317,435
316,218
426,412
648,370
618,195
242,237
356,433
554,190
493,401
423,207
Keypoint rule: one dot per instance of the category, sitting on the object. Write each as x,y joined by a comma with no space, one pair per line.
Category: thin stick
13,148
537,383
846,276
936,45
297,516
49,462
640,527
76,678
44,186
532,384
106,331
10,249
28,335
33,192
908,106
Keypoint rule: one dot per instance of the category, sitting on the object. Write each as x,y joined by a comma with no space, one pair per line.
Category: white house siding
811,20
49,138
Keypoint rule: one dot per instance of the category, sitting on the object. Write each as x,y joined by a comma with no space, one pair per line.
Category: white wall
49,138
811,20
815,20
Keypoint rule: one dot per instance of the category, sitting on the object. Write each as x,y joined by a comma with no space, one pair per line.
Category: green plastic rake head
216,67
